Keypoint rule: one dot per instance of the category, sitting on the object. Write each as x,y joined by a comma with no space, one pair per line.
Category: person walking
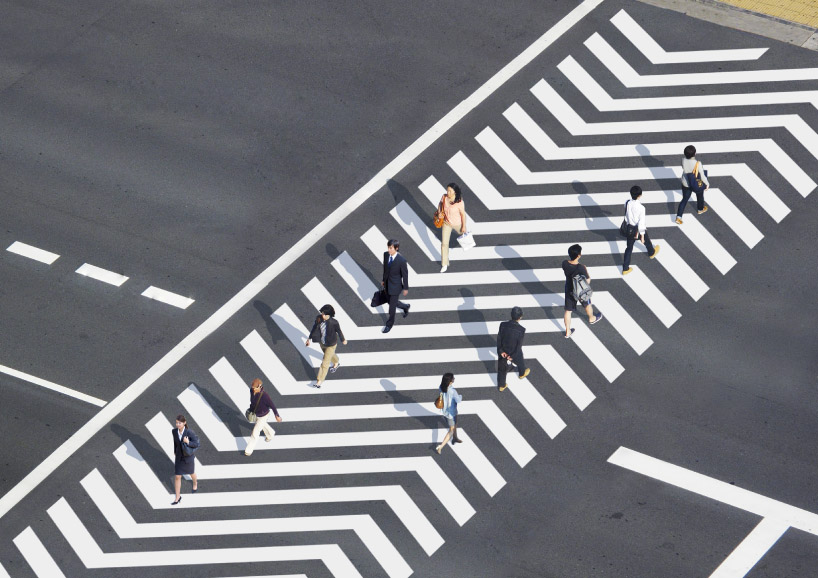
325,331
395,280
571,267
263,407
510,348
450,400
184,440
454,211
692,169
635,217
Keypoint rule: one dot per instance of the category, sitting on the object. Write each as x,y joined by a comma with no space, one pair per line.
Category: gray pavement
724,391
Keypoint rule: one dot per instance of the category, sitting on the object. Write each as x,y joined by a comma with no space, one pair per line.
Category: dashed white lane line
167,297
263,279
32,252
101,274
52,386
36,555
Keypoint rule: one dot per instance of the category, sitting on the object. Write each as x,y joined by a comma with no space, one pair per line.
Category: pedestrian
571,267
263,407
510,348
454,212
692,169
450,400
185,443
325,331
395,280
635,217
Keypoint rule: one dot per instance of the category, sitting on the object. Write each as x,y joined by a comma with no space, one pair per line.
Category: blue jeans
686,197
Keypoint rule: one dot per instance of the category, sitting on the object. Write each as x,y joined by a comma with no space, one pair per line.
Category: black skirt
184,466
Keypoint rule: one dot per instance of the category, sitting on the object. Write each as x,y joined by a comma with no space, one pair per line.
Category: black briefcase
379,298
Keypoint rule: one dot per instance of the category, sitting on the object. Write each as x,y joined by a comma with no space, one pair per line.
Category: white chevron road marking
92,555
36,555
395,497
645,43
631,79
123,523
752,549
424,466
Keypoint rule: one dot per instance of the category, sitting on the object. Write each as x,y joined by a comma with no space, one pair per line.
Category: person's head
636,192
453,193
393,246
690,151
326,312
516,313
256,385
448,379
181,422
574,251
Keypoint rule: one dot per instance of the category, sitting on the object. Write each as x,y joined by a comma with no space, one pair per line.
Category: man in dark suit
510,348
395,280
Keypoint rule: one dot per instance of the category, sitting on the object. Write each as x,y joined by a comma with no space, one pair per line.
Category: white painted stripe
629,78
263,279
733,217
92,556
3,573
232,383
52,386
167,297
645,43
36,555
565,377
678,269
622,321
32,252
123,523
100,274
752,549
715,489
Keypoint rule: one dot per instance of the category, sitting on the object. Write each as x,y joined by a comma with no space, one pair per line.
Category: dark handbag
626,230
379,298
187,450
251,414
439,401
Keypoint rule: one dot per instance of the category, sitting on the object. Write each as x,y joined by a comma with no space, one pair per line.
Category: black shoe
386,329
457,441
194,490
177,501
406,311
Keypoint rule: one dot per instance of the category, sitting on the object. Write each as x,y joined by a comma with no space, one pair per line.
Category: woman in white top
455,212
688,166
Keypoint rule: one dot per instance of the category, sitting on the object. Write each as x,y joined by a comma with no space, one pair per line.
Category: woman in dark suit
183,436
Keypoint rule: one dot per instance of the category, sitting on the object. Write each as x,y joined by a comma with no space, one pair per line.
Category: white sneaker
444,268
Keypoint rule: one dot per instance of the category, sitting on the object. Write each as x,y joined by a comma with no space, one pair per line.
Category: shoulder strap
696,170
258,401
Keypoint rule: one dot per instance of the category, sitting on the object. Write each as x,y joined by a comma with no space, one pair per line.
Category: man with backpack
577,288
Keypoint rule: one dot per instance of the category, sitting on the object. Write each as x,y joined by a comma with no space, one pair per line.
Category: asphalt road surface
187,147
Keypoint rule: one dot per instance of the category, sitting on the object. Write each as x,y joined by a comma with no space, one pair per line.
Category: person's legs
683,203
519,361
177,485
626,262
566,318
268,431
649,245
455,439
195,481
329,354
254,435
445,235
700,201
448,435
589,310
393,303
502,371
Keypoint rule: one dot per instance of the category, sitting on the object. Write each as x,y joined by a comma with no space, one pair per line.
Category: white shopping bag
466,240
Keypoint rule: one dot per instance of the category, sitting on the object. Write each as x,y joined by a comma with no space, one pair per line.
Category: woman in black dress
183,436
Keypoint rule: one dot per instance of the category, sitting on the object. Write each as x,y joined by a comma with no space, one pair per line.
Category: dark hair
394,243
690,151
516,313
447,380
574,251
327,310
181,418
636,192
458,196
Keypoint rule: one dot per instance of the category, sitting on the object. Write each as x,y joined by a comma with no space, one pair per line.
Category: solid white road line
424,466
752,549
92,556
36,555
123,523
100,274
651,50
52,386
167,297
715,489
3,573
263,279
32,252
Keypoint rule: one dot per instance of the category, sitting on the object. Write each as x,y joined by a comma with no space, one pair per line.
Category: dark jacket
333,331
177,445
264,406
396,275
510,338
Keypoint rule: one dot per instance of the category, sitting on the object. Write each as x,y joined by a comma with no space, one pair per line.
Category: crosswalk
493,438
